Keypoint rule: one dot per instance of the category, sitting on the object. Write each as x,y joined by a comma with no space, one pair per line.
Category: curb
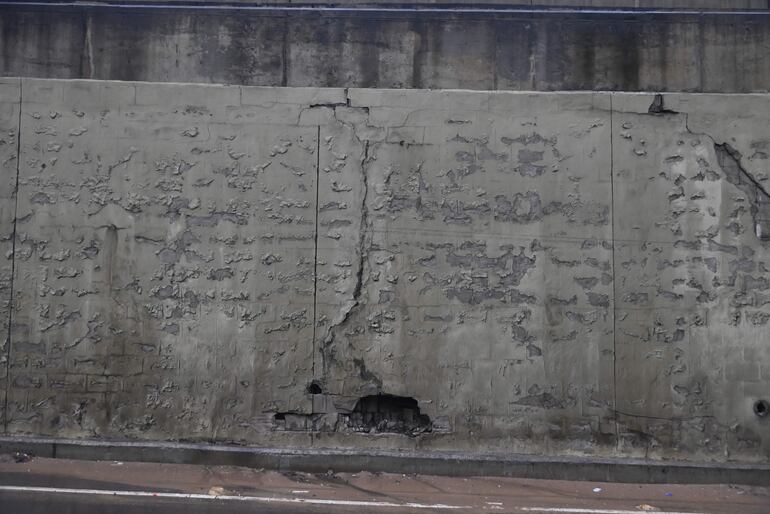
316,460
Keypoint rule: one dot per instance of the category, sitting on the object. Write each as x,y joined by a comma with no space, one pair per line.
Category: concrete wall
572,273
385,49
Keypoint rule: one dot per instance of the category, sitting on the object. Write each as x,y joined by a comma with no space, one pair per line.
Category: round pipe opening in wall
761,408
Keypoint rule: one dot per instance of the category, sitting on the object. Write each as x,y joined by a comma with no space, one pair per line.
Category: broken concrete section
560,273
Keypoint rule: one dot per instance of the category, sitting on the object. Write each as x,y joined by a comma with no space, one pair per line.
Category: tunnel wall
550,273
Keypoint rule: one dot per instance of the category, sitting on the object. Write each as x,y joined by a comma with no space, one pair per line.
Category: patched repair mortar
563,273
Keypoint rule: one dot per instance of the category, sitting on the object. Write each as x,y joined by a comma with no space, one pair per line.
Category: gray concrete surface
559,274
548,51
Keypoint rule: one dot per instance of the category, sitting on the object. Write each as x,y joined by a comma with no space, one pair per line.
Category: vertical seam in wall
89,48
614,280
285,54
701,52
84,50
13,267
533,47
315,242
495,64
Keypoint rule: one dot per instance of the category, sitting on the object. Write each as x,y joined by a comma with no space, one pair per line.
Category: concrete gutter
316,460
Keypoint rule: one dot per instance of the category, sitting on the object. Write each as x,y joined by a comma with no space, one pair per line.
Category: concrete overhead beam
705,5
480,49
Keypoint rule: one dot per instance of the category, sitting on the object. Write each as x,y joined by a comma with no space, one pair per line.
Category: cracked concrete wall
472,281
691,274
689,52
165,240
569,273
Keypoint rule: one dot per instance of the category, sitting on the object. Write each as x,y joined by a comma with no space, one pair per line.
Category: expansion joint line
614,280
13,267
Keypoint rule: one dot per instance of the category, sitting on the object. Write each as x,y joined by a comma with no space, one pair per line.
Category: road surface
83,487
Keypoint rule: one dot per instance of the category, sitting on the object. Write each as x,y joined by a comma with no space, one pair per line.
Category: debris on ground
21,457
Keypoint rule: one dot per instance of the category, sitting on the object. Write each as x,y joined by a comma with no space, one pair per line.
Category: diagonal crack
730,161
724,151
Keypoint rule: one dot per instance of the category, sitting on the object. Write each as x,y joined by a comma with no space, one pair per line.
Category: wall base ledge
317,460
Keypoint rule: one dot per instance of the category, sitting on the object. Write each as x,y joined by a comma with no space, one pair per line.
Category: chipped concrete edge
319,460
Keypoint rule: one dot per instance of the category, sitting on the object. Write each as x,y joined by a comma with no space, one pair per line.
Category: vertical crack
363,229
13,266
315,244
362,250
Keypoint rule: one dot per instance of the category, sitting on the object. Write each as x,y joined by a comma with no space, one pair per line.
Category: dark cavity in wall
657,106
387,413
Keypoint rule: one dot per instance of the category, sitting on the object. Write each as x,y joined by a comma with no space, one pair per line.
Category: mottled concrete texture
376,48
571,273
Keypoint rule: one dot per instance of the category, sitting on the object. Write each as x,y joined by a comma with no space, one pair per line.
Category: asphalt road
57,486
26,503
